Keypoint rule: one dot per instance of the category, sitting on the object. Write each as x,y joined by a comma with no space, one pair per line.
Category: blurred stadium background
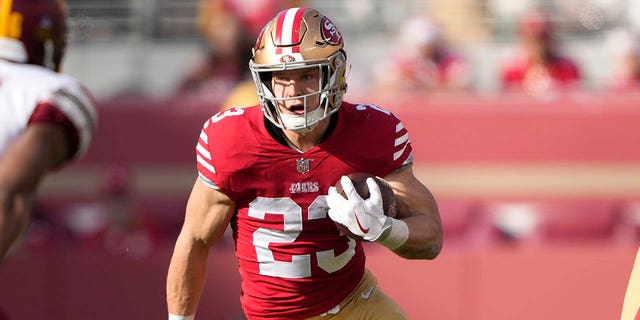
539,195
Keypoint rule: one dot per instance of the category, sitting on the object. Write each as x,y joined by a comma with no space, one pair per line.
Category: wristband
398,234
178,317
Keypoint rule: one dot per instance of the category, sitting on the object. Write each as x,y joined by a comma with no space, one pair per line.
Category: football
359,182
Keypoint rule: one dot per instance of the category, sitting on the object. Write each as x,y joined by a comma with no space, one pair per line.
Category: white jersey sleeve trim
208,182
205,164
203,151
81,112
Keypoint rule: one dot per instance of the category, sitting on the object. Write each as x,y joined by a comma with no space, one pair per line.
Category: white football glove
363,217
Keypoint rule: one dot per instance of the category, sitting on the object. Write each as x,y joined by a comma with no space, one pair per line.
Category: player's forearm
13,219
186,275
424,240
417,208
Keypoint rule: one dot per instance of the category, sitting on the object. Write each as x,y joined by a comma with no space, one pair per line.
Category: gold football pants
366,302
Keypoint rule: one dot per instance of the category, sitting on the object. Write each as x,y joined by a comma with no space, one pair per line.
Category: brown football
359,182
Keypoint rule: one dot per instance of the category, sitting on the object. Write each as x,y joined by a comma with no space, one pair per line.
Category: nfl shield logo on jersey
303,165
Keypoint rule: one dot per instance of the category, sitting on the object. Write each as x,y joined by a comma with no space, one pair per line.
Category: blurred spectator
537,66
625,56
422,60
114,222
223,64
229,29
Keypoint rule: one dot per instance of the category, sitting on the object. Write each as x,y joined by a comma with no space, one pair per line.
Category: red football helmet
300,38
33,31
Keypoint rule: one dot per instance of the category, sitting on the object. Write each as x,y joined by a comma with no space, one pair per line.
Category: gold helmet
300,38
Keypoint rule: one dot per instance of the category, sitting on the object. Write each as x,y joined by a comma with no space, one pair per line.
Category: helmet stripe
279,27
297,23
288,30
5,12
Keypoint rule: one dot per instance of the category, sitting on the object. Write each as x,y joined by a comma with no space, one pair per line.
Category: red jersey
293,261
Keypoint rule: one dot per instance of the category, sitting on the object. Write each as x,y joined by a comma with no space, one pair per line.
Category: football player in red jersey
46,119
269,170
538,66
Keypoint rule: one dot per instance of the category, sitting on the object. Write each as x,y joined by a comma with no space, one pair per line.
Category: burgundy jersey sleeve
46,112
77,105
31,94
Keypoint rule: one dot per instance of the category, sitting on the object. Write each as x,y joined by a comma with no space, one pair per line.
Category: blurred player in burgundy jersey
538,67
46,119
269,170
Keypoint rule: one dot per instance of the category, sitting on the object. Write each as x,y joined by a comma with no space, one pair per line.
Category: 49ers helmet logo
287,59
330,32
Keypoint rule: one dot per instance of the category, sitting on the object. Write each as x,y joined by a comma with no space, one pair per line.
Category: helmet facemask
331,83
